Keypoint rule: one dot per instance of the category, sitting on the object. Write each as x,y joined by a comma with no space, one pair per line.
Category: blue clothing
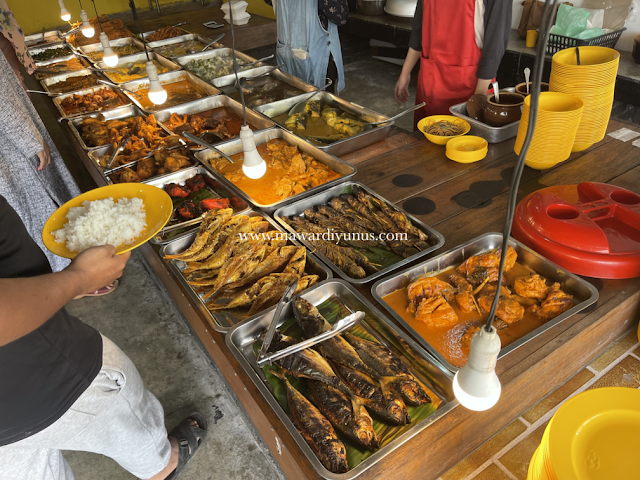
304,46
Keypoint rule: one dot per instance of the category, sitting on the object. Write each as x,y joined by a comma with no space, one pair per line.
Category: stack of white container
240,15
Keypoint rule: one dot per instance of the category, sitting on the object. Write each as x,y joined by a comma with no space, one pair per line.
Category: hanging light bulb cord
235,66
134,11
97,16
517,174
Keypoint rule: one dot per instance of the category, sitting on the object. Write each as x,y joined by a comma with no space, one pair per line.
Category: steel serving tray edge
242,335
573,284
183,242
118,42
182,38
322,198
58,100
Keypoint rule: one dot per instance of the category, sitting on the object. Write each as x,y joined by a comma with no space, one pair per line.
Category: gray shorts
116,416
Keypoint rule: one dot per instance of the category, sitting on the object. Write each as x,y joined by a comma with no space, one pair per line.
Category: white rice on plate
102,222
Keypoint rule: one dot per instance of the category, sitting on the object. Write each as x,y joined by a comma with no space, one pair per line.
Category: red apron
449,58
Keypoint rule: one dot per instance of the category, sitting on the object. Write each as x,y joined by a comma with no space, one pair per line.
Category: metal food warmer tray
57,101
435,240
346,145
51,61
242,337
37,40
222,52
209,103
139,57
583,292
233,147
47,82
119,113
119,42
481,129
182,38
166,79
180,177
144,35
221,321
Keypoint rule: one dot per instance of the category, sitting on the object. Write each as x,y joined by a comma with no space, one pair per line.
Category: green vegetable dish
50,53
214,67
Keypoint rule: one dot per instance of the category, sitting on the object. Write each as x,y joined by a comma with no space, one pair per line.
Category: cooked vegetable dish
51,53
214,67
183,48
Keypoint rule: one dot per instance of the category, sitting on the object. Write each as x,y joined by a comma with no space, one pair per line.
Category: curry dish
211,125
448,308
289,172
139,70
177,92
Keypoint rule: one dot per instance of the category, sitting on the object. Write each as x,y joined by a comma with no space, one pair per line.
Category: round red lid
590,229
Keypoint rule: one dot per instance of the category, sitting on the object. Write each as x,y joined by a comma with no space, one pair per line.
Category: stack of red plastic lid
591,229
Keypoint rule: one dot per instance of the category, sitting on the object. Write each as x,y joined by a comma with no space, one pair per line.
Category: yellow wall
34,15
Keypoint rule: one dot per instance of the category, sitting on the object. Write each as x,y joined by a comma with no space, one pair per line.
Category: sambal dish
99,100
289,172
164,33
178,92
120,51
446,309
211,125
134,70
71,84
96,132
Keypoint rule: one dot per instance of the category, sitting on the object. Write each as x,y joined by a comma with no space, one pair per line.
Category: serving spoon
217,39
199,141
299,107
258,61
51,94
527,72
119,88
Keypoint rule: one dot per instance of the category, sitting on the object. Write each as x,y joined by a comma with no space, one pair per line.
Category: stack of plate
559,117
593,81
593,436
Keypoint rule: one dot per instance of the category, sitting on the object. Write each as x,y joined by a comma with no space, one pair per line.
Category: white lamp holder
64,13
253,165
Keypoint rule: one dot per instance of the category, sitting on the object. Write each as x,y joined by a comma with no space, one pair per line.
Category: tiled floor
506,455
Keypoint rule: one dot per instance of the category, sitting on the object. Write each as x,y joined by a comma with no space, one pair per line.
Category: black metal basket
560,42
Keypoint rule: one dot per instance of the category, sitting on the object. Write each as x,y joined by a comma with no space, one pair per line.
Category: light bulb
253,165
108,56
157,94
87,30
64,13
476,385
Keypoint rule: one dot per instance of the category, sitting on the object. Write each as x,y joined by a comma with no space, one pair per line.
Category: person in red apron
460,44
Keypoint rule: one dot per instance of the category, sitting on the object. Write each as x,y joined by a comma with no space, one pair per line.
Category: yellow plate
157,204
438,140
596,436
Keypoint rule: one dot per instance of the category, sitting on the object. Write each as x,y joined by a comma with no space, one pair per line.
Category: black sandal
188,443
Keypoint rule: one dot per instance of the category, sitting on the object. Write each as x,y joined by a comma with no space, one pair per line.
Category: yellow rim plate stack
157,204
467,149
439,140
559,117
593,81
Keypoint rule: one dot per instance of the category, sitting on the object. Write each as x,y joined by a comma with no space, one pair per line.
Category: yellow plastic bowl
467,149
438,140
157,204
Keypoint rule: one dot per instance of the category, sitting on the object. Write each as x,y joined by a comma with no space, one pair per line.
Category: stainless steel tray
47,82
481,129
138,57
57,101
97,153
436,240
54,38
221,52
119,42
232,147
51,61
221,321
204,104
180,177
151,32
114,114
182,38
166,79
346,145
241,338
583,292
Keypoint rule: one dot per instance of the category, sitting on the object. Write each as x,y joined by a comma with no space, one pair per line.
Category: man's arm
27,303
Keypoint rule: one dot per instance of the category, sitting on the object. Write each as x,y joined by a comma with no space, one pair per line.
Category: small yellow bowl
467,149
437,139
157,204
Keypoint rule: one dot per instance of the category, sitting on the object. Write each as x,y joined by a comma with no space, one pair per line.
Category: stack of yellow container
559,116
593,436
593,81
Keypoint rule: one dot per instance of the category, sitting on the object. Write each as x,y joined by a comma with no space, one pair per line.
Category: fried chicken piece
195,183
556,303
508,309
464,297
533,286
427,287
146,168
436,312
175,162
126,176
214,203
176,191
188,210
465,341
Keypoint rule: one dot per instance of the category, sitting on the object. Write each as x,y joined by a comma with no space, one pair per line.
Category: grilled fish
338,409
211,222
297,262
238,266
232,240
315,429
342,206
273,294
275,261
343,263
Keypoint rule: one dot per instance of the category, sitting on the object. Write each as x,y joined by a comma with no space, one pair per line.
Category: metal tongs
121,144
258,61
112,85
199,141
337,328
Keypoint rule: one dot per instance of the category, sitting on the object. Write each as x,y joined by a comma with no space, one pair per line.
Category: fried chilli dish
71,84
53,69
100,100
51,53
368,217
134,70
113,28
242,275
350,379
164,33
211,125
289,171
448,308
181,91
193,198
120,51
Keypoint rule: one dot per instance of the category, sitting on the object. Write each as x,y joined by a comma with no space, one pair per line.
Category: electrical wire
235,66
97,16
517,173
132,5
